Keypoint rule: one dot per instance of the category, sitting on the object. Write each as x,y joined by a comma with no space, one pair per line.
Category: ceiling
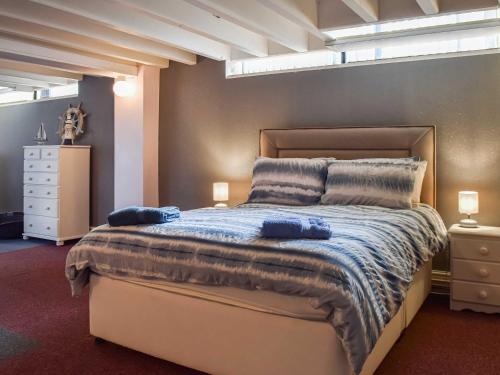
54,42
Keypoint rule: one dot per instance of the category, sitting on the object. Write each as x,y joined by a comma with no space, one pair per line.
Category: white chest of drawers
475,269
56,192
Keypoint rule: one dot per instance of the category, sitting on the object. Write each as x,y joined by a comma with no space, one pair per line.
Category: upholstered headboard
357,142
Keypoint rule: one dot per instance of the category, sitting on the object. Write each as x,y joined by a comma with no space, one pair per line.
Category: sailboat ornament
41,135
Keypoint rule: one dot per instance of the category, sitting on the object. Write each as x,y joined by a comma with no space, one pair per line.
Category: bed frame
221,338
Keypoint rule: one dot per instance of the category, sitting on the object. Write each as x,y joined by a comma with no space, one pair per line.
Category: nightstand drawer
31,153
476,293
50,153
40,166
41,225
41,206
41,191
476,249
41,178
476,271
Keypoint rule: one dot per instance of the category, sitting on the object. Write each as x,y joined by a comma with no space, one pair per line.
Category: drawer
40,165
41,191
31,153
476,249
41,178
476,271
41,206
50,153
477,293
41,225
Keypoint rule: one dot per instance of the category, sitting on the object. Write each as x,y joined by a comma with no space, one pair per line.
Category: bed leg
99,341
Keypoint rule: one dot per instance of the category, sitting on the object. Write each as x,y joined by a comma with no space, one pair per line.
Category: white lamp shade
221,191
468,202
125,87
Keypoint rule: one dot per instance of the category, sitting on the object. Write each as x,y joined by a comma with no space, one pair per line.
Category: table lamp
468,204
221,194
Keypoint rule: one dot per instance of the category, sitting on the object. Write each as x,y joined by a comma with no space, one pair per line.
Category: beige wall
209,126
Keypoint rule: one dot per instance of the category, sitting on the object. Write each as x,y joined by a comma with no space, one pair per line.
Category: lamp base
468,223
220,205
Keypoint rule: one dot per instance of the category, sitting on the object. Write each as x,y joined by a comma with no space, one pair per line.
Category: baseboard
440,282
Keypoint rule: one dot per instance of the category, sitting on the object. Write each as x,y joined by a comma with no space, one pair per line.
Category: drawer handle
49,153
30,225
483,294
48,228
31,191
30,206
31,154
31,165
48,193
483,250
48,179
483,272
48,208
30,179
48,166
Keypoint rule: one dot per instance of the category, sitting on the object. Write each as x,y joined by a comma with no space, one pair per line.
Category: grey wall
209,125
18,126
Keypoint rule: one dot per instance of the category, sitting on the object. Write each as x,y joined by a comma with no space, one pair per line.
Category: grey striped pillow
393,183
290,181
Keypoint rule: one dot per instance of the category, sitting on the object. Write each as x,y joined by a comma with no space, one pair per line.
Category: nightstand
475,268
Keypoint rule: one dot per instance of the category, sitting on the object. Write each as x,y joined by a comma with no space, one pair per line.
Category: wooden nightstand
475,269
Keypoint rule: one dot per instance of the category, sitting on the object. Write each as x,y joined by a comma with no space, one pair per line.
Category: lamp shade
468,202
221,191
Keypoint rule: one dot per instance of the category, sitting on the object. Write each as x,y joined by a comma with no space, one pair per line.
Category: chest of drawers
475,268
56,192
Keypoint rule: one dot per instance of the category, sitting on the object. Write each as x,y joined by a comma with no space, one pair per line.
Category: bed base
223,339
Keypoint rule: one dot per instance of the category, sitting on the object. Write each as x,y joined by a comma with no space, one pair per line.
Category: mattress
257,300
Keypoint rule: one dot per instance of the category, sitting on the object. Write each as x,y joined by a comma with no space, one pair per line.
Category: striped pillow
290,181
393,183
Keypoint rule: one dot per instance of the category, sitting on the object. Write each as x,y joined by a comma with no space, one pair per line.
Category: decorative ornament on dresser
71,124
41,135
56,192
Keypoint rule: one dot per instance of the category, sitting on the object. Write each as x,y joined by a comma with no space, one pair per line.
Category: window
13,95
442,35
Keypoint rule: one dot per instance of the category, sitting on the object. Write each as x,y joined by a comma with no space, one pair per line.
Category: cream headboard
357,142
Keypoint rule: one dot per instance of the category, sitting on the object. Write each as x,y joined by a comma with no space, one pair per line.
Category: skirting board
440,282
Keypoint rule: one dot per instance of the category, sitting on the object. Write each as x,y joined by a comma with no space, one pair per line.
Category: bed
227,330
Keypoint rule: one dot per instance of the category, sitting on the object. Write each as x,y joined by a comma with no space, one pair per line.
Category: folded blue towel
295,227
143,215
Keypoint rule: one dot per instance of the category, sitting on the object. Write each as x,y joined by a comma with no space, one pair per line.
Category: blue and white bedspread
360,274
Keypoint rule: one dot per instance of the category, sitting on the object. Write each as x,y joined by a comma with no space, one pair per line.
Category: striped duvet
360,275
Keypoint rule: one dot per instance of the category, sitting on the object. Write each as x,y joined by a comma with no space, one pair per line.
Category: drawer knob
483,294
483,250
31,191
483,272
49,153
30,179
48,166
48,179
48,228
48,193
48,208
30,225
30,206
31,165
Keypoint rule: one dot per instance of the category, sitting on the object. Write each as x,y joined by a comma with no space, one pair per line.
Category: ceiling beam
196,20
366,9
67,39
254,16
36,77
24,81
303,13
37,69
62,21
50,53
429,6
113,14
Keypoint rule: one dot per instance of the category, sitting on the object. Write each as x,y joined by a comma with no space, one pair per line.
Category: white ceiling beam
304,13
38,69
366,9
46,52
189,17
113,14
24,81
429,6
36,77
62,21
254,16
67,39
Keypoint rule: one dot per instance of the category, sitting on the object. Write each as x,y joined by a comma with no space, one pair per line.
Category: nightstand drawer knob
483,272
483,294
48,228
483,250
31,191
48,208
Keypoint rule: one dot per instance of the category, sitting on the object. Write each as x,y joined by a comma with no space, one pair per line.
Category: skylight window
471,32
15,95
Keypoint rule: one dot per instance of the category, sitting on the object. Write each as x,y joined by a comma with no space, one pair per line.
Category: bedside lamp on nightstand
221,194
468,203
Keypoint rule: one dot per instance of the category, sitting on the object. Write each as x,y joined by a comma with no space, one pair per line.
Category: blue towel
143,215
295,227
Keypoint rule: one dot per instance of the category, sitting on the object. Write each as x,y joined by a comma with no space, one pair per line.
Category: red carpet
50,330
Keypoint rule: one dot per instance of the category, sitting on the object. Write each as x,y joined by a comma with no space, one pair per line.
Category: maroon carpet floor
45,331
